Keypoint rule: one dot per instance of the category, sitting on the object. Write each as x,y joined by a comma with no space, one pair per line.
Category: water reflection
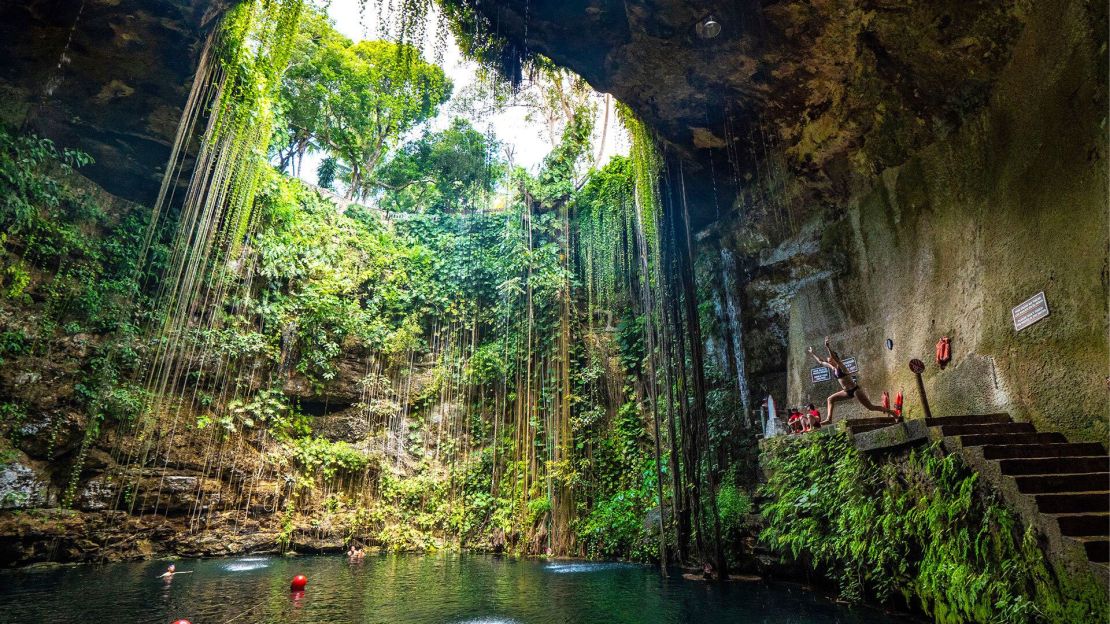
579,567
442,589
246,565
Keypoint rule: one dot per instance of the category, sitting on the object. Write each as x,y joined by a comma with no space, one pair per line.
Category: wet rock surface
109,78
829,87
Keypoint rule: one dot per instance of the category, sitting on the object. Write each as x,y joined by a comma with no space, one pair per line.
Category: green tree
447,171
354,100
304,91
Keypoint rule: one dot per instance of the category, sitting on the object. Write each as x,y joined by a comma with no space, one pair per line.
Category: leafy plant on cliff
924,529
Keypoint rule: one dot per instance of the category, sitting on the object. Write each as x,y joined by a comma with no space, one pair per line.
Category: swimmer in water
355,554
170,571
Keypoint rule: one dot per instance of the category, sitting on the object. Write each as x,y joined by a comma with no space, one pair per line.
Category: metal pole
918,367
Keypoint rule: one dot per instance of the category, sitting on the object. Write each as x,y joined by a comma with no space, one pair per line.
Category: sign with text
1030,311
820,373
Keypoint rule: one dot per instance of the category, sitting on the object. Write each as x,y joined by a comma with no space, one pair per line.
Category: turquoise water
394,589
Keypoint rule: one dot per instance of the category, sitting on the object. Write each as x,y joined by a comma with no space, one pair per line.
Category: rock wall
106,77
903,171
1013,203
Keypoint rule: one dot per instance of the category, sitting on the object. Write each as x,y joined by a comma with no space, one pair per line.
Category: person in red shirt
795,421
813,416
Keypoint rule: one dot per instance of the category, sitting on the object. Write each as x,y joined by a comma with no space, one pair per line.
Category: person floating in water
848,387
170,571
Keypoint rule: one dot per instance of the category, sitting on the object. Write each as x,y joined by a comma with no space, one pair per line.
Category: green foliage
447,171
27,174
616,527
269,407
630,337
412,510
923,530
48,227
336,279
354,100
12,417
481,276
13,343
327,459
604,216
733,504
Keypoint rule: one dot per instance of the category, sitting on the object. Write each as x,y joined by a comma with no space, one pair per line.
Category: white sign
818,374
1030,311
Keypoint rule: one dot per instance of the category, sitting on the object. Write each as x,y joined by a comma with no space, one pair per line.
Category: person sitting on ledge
813,418
795,421
848,387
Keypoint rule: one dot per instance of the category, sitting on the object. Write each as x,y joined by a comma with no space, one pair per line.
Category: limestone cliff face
1010,202
894,170
109,77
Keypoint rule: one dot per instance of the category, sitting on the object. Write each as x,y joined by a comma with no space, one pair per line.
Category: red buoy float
298,583
182,622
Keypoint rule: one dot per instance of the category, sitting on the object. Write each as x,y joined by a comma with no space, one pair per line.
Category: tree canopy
446,171
354,101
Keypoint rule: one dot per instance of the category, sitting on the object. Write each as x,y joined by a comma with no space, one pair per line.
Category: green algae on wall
1011,204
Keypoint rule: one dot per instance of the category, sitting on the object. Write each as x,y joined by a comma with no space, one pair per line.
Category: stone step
1045,484
982,439
1087,502
1067,449
858,429
1098,548
1054,465
1094,524
971,419
880,420
955,430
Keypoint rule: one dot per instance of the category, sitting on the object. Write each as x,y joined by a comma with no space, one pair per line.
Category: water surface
396,589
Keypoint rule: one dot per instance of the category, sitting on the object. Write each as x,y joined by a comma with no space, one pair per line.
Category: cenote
411,589
530,300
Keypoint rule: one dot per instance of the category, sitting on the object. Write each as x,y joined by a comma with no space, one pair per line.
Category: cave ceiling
817,89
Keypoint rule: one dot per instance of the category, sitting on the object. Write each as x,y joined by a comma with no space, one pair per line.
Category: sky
527,140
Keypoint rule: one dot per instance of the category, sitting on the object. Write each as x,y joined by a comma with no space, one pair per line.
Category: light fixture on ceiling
708,28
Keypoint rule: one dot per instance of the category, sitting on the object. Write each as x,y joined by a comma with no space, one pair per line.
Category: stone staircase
1060,487
863,425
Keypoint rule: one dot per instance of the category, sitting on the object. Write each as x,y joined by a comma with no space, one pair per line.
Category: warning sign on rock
820,373
1030,311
